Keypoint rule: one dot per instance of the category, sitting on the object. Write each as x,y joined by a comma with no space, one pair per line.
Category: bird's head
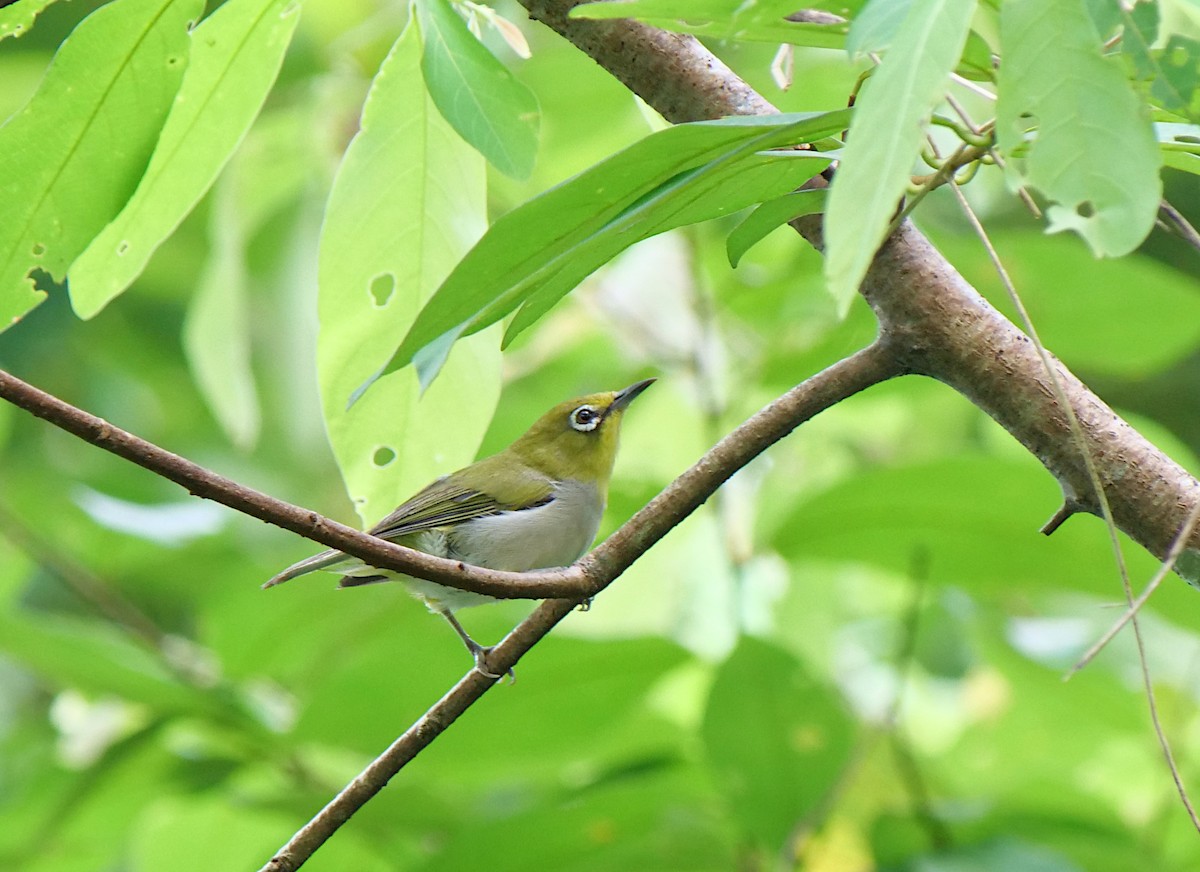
577,439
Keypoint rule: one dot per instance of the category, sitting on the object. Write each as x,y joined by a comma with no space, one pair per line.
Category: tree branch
209,485
930,317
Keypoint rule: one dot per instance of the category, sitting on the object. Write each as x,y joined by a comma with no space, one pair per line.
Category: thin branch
578,582
1164,570
870,366
207,484
1178,224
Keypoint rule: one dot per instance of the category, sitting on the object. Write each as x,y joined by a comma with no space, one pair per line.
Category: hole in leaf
1085,209
383,456
382,288
38,249
43,281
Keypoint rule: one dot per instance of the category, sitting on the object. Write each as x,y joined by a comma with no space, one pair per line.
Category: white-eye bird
535,505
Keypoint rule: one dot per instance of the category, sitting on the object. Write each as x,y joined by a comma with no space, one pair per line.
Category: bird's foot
585,605
480,653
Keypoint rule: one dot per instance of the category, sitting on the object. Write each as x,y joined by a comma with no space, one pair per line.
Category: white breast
556,534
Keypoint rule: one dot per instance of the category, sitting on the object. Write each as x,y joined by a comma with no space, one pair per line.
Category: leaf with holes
85,137
17,19
393,230
1071,127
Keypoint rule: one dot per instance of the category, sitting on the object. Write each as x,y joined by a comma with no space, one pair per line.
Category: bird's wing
447,501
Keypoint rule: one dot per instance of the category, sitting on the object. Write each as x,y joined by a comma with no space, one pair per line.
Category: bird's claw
481,653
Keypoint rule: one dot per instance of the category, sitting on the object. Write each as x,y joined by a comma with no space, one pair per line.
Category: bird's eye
585,419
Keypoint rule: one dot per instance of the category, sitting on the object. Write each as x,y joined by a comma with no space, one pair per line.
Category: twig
683,496
209,485
1164,570
1078,436
1175,220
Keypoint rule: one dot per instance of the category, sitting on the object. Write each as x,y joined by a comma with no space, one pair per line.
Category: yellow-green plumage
535,505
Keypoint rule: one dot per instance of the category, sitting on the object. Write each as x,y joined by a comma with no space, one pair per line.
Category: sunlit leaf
874,28
85,137
271,167
394,227
483,101
17,18
236,55
544,248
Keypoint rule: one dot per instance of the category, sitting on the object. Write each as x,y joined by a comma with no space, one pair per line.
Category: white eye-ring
585,419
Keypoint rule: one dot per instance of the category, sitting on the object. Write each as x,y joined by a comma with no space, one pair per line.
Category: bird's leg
479,652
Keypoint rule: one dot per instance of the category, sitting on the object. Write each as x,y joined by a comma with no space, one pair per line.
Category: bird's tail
324,560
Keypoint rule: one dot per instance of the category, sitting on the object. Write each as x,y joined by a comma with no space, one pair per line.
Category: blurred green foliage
849,659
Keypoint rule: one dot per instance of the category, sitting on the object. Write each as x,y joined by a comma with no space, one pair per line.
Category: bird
535,505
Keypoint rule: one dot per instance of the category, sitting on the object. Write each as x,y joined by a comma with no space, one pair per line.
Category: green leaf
653,817
555,240
84,138
975,516
94,657
1002,854
1180,145
216,332
394,227
721,192
480,97
886,137
17,19
1117,331
1140,33
608,709
768,216
236,55
776,740
1177,87
75,821
175,832
763,21
1064,114
874,28
1173,71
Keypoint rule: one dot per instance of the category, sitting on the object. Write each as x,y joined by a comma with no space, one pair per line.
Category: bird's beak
627,396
